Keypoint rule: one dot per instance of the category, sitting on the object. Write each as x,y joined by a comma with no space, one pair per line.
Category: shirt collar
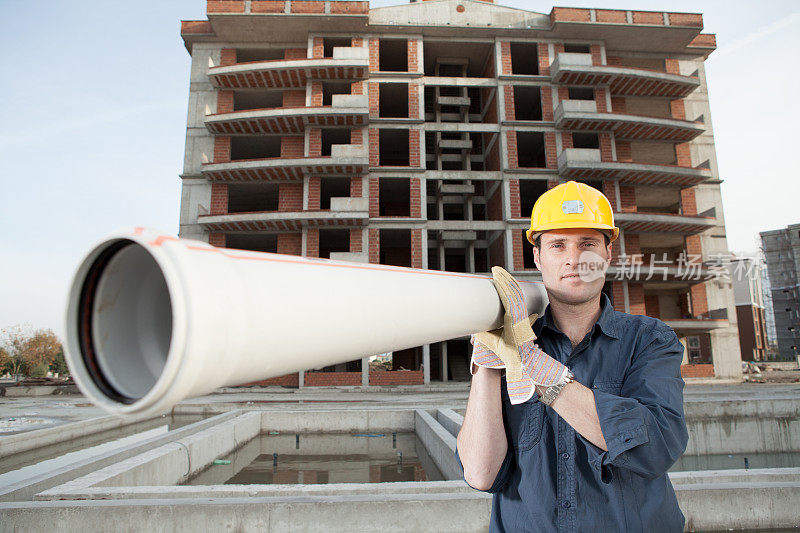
606,321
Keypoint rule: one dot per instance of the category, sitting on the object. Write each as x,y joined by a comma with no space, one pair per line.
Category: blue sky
94,103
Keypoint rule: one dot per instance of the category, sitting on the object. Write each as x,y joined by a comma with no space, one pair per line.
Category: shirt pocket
611,386
525,422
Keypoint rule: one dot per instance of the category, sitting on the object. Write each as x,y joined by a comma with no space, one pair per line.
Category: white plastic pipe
153,319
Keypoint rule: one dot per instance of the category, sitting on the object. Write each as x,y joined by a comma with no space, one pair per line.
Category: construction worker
572,423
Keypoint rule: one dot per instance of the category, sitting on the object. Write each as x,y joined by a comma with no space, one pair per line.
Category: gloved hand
512,346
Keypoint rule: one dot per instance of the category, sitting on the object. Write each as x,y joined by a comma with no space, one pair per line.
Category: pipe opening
125,322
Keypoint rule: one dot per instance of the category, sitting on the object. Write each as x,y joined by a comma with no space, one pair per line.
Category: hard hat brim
614,231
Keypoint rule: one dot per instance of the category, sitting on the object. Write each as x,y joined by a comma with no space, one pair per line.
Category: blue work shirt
553,479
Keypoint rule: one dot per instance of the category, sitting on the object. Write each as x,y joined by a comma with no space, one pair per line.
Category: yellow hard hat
572,205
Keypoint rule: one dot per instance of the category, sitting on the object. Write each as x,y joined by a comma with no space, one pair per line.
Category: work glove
512,346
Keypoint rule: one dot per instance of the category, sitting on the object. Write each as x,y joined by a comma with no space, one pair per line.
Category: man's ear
536,258
608,250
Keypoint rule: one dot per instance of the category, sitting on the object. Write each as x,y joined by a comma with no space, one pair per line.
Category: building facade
782,254
421,135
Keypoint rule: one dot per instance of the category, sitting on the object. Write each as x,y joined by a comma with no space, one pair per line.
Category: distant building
746,273
782,255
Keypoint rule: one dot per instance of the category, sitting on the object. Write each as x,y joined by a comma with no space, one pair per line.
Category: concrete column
440,247
365,371
426,364
301,379
444,360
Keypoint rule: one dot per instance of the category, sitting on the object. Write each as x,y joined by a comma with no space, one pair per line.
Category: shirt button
565,456
565,504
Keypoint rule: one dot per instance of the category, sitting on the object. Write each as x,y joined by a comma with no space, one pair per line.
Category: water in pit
323,458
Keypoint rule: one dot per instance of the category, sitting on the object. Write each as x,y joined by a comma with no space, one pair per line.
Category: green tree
59,365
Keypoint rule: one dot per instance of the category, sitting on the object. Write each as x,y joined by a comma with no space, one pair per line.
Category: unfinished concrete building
421,135
782,254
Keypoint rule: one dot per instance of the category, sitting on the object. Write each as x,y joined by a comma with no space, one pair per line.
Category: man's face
573,263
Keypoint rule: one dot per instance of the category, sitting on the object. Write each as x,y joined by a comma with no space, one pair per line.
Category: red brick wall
570,14
648,17
225,6
374,197
374,54
374,147
217,239
600,100
624,153
550,150
355,187
290,243
597,58
547,103
416,248
330,379
374,99
374,245
412,56
636,299
299,6
312,242
505,57
413,148
627,196
314,142
227,57
290,197
508,93
544,59
355,7
683,155
224,101
356,246
416,207
294,98
611,15
699,299
514,197
566,140
677,109
686,19
606,153
317,48
688,203
397,377
316,93
222,149
413,100
267,6
618,296
219,198
697,371
292,146
313,193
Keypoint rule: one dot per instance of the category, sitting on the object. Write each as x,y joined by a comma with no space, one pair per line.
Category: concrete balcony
353,257
585,163
346,64
345,160
583,115
455,189
346,110
455,101
694,325
344,212
663,223
457,235
577,69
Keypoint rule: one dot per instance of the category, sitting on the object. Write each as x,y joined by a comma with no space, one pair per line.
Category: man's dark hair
537,242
